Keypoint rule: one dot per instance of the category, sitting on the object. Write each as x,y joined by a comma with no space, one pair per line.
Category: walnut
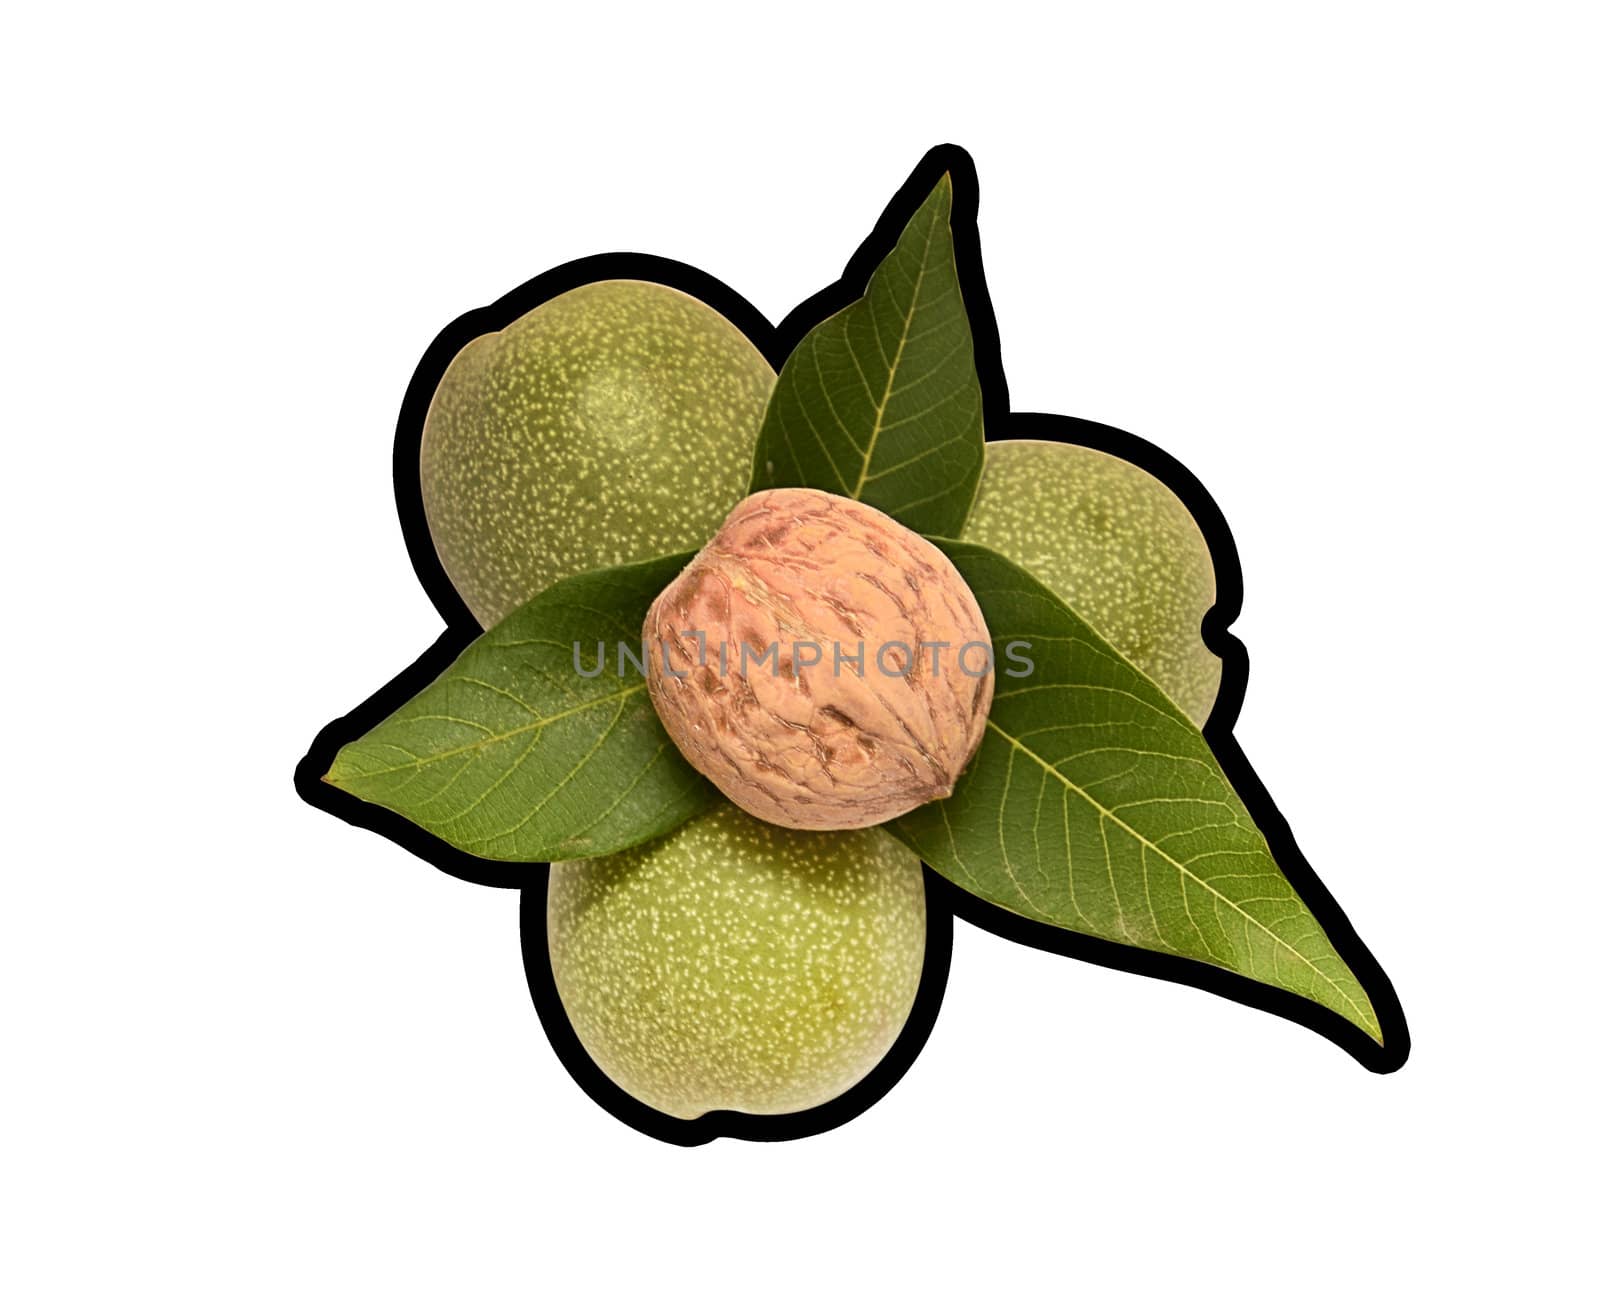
826,667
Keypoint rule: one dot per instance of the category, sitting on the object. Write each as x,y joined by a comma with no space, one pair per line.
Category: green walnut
733,965
613,423
1117,545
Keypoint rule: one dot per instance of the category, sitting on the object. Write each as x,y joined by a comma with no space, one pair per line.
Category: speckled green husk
1116,545
614,423
734,965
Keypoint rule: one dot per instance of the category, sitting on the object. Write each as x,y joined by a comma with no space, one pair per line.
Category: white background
1340,260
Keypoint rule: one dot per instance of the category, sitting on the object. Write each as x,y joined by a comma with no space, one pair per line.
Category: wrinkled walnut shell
806,741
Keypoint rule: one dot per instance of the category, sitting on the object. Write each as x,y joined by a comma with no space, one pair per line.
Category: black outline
944,899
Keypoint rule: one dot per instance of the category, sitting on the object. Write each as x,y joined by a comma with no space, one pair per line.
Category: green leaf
1095,805
511,754
881,402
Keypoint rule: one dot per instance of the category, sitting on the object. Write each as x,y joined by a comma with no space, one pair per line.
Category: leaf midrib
894,366
426,760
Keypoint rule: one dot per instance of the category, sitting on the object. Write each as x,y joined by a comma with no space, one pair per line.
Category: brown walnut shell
753,663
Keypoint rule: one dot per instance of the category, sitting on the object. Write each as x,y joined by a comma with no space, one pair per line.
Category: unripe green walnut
613,423
1117,545
733,965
